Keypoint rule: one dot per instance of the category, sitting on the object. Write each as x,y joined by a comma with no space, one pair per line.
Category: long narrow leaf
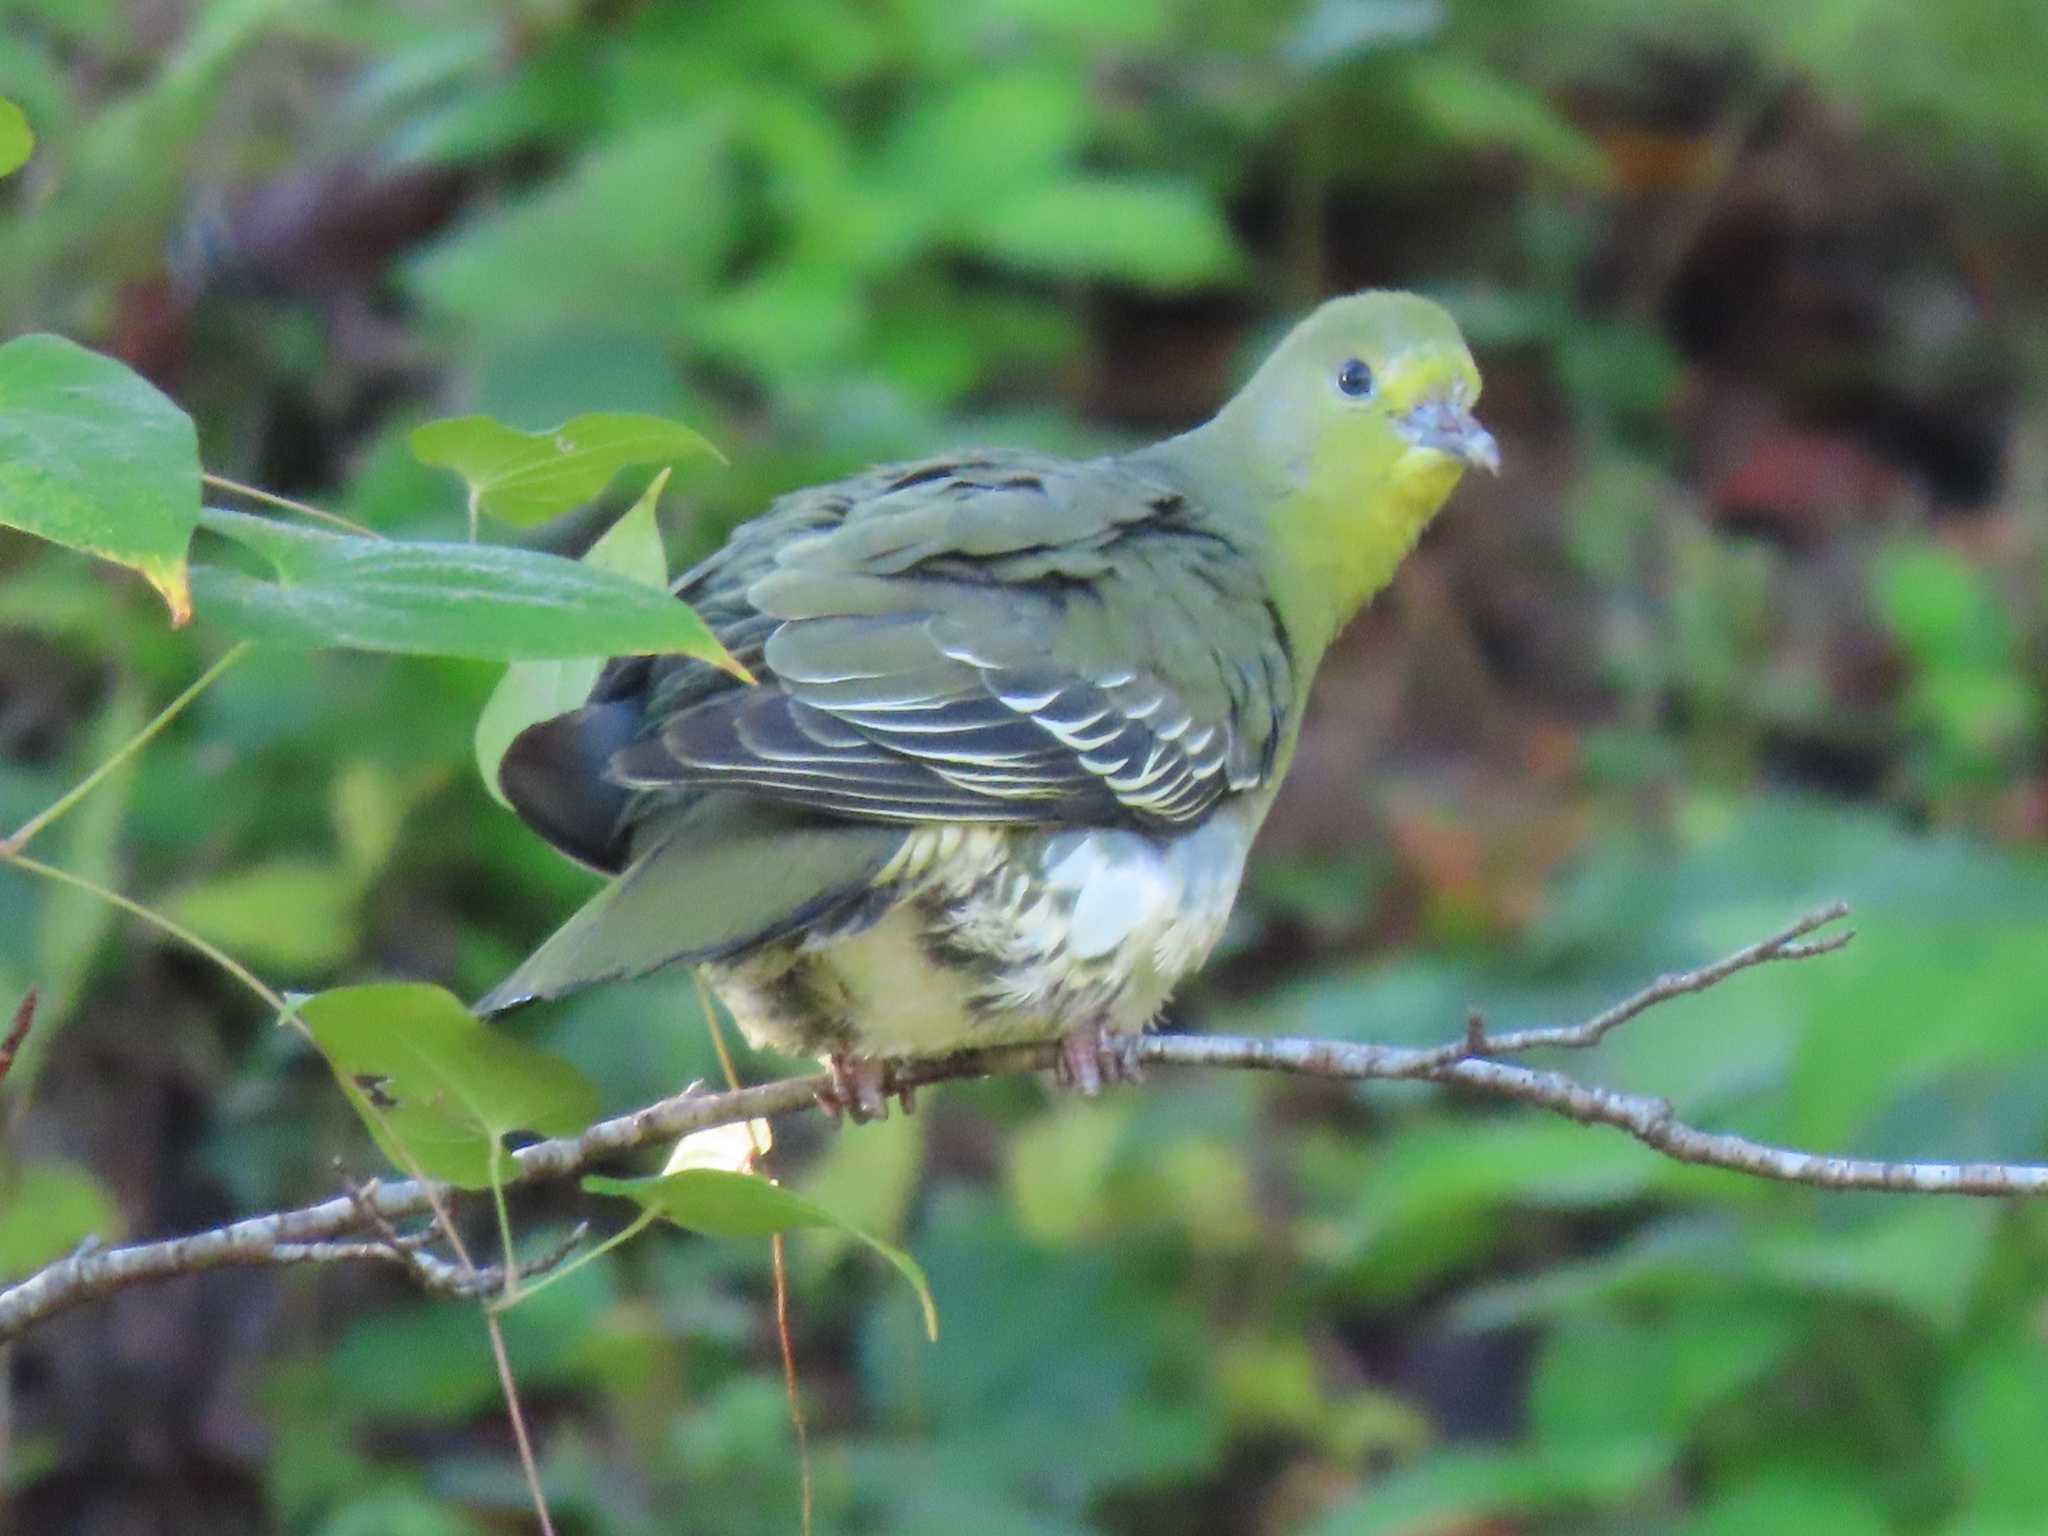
481,601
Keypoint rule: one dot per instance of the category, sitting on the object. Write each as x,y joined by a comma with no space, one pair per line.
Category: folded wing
1012,640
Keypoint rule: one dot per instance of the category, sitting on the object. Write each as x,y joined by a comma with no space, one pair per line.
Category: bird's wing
997,638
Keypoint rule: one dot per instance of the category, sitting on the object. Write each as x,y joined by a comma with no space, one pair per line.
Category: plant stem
807,1485
304,509
507,1383
134,744
504,1214
526,1462
176,930
627,1233
779,1265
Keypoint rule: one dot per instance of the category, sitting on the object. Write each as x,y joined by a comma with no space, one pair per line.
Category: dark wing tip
554,775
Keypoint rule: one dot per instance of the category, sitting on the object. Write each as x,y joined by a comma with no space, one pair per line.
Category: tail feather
722,875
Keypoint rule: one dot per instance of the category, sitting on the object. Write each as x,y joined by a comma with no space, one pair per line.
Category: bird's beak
1447,426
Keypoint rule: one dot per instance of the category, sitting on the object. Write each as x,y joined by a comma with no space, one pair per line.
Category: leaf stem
157,920
625,1234
134,744
285,503
504,1215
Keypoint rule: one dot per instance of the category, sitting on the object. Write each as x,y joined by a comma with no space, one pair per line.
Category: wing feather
996,638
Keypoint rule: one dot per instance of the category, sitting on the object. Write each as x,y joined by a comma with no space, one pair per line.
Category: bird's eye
1354,379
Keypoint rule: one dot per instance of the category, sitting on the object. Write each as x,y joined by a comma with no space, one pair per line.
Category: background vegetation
1755,617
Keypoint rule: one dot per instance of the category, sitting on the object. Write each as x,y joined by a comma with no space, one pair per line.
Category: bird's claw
1092,1056
861,1086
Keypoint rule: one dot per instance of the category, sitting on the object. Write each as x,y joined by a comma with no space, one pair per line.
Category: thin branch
17,1032
1783,945
408,1249
436,1275
284,1236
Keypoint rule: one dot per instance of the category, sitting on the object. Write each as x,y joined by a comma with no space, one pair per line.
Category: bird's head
1371,391
1361,421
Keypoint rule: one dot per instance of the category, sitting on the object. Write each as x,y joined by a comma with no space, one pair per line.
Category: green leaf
526,478
722,1204
989,132
1472,104
1654,1379
632,236
532,691
1943,610
1923,1257
482,601
93,457
395,1512
1058,1172
1162,235
1994,1406
429,1364
368,806
1451,1490
294,915
1781,1504
869,1179
439,1089
49,1209
17,143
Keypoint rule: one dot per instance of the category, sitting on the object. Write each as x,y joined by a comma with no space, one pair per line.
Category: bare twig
1783,945
409,1250
321,1233
436,1275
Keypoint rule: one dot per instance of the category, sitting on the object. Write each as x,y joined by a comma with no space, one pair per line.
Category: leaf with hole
720,1203
526,478
438,1088
94,457
482,601
532,691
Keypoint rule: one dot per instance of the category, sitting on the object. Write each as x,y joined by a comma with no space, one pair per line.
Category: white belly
1002,935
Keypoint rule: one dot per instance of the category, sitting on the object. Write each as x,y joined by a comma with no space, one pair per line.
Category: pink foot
1091,1056
860,1089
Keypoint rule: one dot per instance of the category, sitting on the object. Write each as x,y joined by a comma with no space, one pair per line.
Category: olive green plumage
1017,717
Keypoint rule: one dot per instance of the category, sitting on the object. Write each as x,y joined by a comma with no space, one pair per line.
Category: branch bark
329,1231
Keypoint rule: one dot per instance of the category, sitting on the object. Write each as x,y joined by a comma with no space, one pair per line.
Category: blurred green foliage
828,233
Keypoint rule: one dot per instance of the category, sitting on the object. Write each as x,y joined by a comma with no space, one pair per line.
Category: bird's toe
1092,1056
860,1089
